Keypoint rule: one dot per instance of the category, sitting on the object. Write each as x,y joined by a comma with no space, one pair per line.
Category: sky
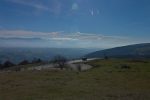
74,23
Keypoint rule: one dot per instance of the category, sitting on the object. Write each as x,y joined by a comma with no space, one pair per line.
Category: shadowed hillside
131,51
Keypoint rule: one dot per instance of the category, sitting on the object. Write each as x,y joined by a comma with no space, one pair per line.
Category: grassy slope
105,82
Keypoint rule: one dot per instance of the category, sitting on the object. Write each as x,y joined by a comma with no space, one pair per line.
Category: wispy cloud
53,7
63,36
27,34
31,4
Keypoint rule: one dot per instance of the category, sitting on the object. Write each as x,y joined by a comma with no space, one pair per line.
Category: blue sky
74,23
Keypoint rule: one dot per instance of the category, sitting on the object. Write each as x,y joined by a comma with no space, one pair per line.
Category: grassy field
108,80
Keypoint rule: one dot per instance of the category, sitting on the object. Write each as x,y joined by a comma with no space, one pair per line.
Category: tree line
9,63
59,62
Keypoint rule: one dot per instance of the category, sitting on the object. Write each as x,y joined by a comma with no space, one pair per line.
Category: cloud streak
60,35
52,7
31,4
76,39
56,7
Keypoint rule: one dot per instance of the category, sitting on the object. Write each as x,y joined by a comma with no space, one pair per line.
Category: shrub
125,66
35,60
24,62
1,66
8,64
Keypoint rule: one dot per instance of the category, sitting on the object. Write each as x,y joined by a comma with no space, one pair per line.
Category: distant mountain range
18,54
130,51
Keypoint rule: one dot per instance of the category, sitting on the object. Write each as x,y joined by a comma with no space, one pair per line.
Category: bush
24,62
37,60
8,64
79,67
125,67
1,66
106,57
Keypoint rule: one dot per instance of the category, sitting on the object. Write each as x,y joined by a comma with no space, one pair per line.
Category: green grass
106,81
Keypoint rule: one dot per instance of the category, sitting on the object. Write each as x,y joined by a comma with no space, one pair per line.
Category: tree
79,67
8,64
35,60
39,61
1,66
105,56
24,62
84,59
59,61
